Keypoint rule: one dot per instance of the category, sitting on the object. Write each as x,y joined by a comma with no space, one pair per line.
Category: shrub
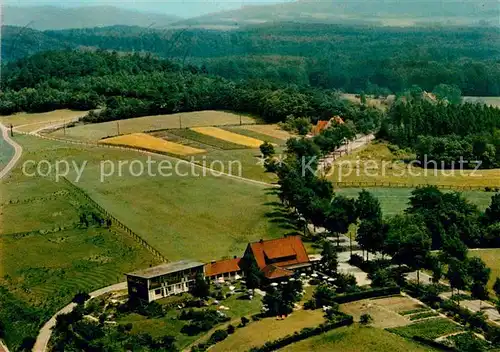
244,321
80,298
365,319
217,336
310,304
230,329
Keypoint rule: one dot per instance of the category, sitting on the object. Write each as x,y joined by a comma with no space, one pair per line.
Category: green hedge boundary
376,292
345,320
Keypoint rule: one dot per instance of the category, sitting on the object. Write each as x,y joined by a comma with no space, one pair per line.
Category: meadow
382,163
491,257
6,152
395,200
45,256
31,121
357,339
268,329
94,132
493,101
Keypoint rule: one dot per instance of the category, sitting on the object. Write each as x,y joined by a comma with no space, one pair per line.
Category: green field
492,259
268,329
428,329
357,339
45,257
200,217
94,132
395,200
377,163
493,101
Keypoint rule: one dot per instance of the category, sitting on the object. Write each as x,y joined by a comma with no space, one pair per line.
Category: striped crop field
269,130
229,136
147,142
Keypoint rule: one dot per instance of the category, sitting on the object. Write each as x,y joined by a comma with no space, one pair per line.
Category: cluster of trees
280,300
74,332
444,134
376,60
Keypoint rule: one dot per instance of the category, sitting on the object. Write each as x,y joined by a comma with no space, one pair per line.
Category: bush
80,298
218,336
365,319
356,296
244,321
310,304
230,329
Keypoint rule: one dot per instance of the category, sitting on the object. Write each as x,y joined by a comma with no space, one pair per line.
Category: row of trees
445,135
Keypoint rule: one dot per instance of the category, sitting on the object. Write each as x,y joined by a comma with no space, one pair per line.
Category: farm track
18,150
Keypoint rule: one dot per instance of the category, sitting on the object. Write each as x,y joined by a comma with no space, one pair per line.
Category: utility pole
240,118
118,128
180,121
11,130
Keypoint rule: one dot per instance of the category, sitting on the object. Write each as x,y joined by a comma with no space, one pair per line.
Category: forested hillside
355,59
138,85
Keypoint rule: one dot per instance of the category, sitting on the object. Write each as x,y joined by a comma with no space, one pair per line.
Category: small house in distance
322,125
222,270
279,258
163,280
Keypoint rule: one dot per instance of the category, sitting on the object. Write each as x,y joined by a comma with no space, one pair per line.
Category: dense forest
352,58
139,85
445,132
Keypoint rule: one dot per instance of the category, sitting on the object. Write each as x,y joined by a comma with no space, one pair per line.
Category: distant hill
51,17
380,12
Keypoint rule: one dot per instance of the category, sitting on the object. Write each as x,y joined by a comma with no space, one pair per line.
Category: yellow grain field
229,136
38,120
269,130
145,141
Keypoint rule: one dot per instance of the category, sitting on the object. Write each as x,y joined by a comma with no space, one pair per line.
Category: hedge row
376,292
343,320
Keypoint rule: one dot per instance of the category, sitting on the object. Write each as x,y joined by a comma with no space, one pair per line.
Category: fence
365,184
117,222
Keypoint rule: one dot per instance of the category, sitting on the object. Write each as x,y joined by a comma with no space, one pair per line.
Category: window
157,292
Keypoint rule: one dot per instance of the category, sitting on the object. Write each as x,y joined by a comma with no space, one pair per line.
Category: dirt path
18,150
43,338
359,142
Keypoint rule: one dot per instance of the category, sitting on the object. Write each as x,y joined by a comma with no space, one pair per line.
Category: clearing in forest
147,142
229,136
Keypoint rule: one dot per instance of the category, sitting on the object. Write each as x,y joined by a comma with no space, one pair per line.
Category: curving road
18,150
43,338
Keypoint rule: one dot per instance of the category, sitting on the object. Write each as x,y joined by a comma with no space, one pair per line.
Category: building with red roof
322,125
280,257
226,269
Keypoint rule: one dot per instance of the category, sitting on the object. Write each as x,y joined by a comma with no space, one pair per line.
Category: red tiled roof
222,267
279,252
275,272
338,120
280,248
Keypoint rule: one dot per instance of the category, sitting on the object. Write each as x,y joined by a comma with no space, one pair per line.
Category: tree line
444,132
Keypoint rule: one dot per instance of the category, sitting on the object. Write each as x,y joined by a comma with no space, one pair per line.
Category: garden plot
229,136
147,142
384,311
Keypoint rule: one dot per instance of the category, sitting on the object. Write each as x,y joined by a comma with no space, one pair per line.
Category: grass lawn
98,131
376,163
171,325
395,200
36,121
258,333
357,339
492,259
428,329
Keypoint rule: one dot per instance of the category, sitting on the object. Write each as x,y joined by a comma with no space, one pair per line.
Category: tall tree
480,275
368,206
341,215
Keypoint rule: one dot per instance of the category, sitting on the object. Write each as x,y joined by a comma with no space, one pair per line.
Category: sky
182,8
